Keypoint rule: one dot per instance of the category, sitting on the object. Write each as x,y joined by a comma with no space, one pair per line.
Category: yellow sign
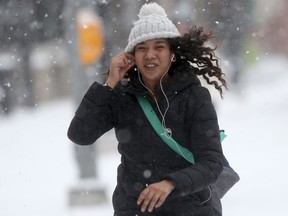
90,36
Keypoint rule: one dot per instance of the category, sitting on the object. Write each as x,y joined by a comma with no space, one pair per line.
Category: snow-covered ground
37,167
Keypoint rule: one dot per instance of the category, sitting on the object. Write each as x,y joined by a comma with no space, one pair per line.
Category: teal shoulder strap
156,124
222,135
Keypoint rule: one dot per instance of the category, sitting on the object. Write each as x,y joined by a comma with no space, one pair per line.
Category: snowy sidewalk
37,165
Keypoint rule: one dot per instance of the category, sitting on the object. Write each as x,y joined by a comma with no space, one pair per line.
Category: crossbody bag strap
156,124
158,127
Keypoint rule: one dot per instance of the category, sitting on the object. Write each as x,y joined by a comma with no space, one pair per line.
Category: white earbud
173,59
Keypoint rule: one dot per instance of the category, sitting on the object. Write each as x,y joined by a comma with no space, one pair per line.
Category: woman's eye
140,47
160,47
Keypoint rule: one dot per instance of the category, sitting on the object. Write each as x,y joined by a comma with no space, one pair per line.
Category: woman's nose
150,54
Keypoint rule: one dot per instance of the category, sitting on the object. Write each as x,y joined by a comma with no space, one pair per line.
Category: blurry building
271,31
24,25
231,22
16,35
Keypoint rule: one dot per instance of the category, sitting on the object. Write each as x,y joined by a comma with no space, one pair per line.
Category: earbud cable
167,130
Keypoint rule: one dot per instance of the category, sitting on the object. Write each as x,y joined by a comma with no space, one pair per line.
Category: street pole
88,191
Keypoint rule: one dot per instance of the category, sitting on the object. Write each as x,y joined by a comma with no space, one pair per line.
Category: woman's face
153,58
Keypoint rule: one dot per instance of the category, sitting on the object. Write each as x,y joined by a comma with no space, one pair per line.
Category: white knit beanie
153,23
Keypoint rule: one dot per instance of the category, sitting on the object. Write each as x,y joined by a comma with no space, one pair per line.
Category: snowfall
38,168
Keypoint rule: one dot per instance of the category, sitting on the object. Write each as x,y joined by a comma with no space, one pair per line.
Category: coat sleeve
205,145
94,115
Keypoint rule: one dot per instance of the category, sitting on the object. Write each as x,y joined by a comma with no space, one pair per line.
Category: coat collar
171,87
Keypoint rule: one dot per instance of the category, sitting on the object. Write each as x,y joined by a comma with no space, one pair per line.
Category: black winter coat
145,158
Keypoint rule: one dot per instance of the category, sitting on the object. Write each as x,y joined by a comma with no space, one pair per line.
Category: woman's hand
119,66
155,195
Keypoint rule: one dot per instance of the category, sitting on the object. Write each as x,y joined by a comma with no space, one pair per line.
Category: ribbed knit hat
153,23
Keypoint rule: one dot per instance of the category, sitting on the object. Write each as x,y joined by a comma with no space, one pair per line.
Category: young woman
161,66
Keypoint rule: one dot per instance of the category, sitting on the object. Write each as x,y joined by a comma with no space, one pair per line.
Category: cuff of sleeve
107,86
98,93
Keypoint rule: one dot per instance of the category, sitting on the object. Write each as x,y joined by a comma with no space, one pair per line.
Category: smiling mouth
150,66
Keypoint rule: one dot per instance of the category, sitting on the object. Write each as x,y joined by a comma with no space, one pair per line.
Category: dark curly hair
194,58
